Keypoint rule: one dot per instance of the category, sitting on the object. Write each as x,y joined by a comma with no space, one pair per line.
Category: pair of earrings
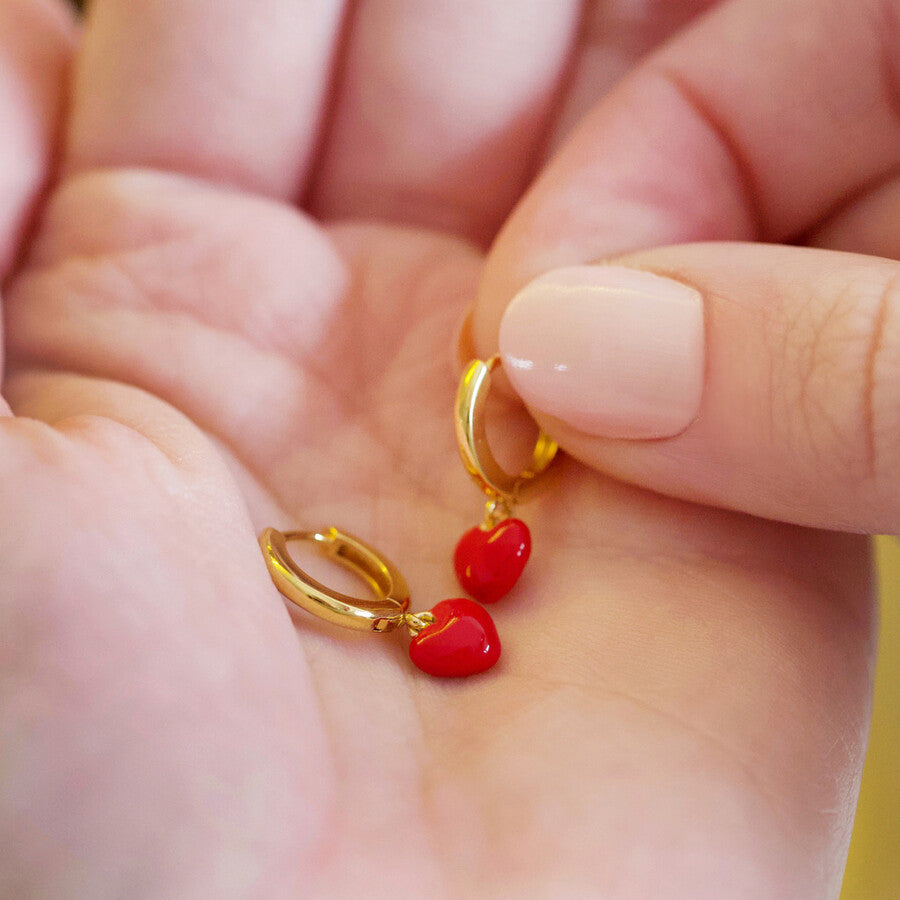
456,637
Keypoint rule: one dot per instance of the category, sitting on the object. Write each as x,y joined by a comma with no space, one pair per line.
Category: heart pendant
461,640
488,562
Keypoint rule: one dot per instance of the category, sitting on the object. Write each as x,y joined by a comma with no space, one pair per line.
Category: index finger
751,125
226,90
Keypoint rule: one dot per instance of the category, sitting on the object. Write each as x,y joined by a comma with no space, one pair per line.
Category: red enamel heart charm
462,640
489,562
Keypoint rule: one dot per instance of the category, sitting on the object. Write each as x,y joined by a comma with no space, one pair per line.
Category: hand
683,690
754,377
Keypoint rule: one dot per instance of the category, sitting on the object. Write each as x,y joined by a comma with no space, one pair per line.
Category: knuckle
839,374
881,378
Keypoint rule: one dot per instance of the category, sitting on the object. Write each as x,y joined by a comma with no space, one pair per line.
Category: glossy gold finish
472,440
495,510
385,613
415,622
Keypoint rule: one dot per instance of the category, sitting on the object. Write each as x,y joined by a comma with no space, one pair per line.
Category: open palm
190,357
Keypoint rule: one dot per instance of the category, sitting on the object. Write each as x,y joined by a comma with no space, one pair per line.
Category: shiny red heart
461,641
488,563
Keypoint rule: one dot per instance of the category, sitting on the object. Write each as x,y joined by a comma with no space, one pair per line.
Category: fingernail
611,351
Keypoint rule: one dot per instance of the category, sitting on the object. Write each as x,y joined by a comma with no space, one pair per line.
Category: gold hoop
472,440
385,613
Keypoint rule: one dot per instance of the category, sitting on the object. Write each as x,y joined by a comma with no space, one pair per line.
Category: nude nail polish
611,351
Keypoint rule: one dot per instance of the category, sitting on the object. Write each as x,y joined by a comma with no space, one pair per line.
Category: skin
237,306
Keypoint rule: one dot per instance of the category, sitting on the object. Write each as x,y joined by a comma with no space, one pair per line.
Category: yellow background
873,869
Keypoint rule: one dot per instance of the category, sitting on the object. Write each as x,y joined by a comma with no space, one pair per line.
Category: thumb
755,377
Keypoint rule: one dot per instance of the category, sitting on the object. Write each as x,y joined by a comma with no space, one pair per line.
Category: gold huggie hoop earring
471,438
385,613
455,638
490,557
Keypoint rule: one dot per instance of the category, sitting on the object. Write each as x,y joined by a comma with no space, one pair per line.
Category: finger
734,130
613,38
222,89
867,225
440,110
758,378
36,38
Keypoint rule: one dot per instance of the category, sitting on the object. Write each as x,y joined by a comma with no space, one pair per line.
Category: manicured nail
611,351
